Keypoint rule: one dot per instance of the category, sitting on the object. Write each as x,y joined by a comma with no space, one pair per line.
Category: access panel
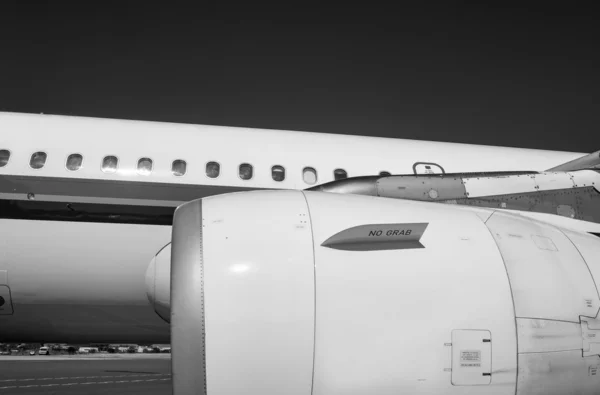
471,357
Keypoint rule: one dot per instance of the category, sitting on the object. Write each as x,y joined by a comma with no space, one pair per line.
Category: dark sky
500,76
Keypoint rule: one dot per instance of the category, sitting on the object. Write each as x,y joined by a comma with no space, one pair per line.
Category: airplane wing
591,161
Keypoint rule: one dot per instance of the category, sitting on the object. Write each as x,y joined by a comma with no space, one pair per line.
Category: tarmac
148,374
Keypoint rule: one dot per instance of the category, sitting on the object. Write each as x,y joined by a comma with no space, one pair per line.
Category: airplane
87,207
86,204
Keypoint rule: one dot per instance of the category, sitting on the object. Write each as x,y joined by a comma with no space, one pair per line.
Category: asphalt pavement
148,374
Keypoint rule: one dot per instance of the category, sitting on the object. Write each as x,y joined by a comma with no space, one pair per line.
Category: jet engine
296,292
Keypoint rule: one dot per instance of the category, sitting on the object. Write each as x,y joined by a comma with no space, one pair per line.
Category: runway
148,374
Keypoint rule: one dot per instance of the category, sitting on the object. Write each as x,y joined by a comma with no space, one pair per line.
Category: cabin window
245,171
213,169
4,157
74,162
309,175
385,173
38,160
179,167
278,173
110,164
144,166
340,174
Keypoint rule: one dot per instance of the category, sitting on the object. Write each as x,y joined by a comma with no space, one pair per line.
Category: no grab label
373,237
391,232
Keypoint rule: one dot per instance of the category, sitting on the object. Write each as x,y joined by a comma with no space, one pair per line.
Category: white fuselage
71,269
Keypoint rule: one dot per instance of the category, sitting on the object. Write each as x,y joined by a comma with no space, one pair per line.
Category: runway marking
86,383
85,377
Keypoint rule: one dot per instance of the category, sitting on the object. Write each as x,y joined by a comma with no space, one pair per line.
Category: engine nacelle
158,283
291,292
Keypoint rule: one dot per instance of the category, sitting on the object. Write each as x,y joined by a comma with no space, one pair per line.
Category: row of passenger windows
110,164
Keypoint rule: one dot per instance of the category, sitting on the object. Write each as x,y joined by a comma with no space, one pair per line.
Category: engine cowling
158,283
291,292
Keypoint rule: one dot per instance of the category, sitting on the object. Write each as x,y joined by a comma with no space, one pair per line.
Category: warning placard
470,358
374,237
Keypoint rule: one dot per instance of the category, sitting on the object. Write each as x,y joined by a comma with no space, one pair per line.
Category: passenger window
179,167
245,171
74,162
110,164
340,174
309,175
213,169
38,160
278,173
4,157
385,173
144,166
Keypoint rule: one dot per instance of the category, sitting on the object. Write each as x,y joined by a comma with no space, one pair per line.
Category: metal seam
312,386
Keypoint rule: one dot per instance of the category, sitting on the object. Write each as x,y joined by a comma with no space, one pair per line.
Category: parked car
44,351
